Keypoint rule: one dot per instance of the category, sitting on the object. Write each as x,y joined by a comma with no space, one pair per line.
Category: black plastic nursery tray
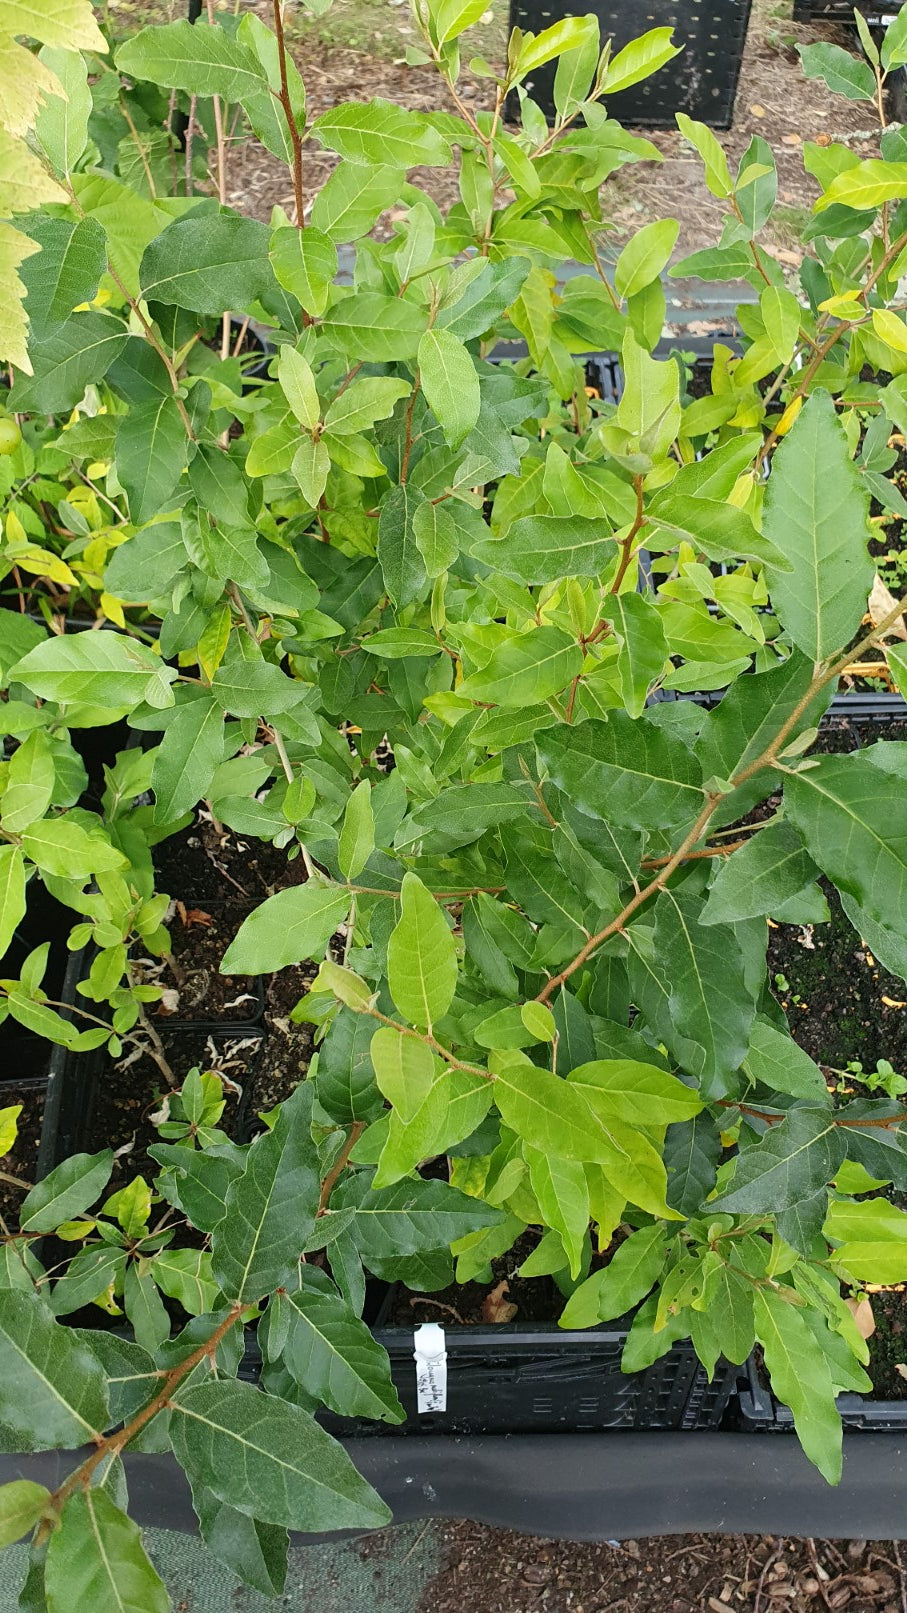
760,1413
535,1378
702,81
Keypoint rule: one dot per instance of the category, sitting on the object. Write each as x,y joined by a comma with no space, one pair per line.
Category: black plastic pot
761,1413
702,81
535,1378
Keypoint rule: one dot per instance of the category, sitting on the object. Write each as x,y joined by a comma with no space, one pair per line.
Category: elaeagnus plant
410,610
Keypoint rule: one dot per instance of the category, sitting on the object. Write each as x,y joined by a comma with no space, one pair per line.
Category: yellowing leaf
25,84
55,22
24,183
890,329
14,249
9,1128
41,563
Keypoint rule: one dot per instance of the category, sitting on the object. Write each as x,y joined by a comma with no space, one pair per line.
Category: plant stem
16,1181
286,103
408,444
767,759
339,1165
112,1444
430,1041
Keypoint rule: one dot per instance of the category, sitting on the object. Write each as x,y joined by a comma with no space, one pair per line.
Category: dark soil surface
195,988
507,1298
204,864
499,1571
843,1006
129,1093
23,1157
888,1345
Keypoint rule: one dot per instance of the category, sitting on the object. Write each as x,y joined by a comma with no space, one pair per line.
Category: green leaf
209,263
185,1275
781,315
66,1191
377,131
271,1208
526,668
219,486
640,1094
370,325
298,386
151,453
66,271
645,255
816,511
640,59
450,383
643,650
402,566
691,1153
867,186
396,643
794,1161
90,1273
549,1114
332,1354
627,771
61,127
720,531
289,927
191,748
770,867
872,1236
304,263
346,1081
66,358
363,402
21,1506
95,1558
709,1000
352,200
746,721
801,1377
52,1390
197,1180
484,297
635,1265
421,956
404,1068
30,781
144,1307
450,18
357,835
562,1192
778,1064
96,669
464,811
538,549
12,893
853,817
198,59
256,1552
843,72
62,847
717,172
410,1218
253,688
269,1460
